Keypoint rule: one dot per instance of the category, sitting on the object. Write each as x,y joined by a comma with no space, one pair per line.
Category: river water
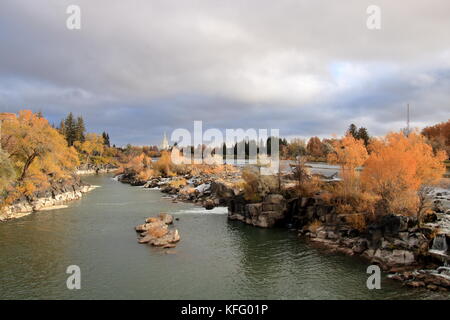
216,258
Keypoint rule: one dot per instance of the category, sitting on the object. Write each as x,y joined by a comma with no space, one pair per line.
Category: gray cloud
306,67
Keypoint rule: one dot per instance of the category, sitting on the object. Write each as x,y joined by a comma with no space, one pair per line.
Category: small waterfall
440,243
116,178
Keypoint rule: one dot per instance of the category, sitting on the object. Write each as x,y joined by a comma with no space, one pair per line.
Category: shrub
178,183
357,221
314,226
146,174
257,186
344,208
309,187
164,165
357,204
208,169
326,196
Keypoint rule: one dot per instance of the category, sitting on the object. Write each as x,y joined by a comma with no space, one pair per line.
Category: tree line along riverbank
404,247
386,212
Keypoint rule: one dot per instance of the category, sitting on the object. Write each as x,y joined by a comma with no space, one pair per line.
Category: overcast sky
139,68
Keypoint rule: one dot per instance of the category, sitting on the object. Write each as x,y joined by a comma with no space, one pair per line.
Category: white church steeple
165,143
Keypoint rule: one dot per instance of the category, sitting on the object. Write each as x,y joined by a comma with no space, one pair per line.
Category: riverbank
53,198
412,253
404,249
56,196
208,190
215,259
95,169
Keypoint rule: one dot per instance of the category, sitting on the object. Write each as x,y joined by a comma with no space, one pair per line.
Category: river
216,258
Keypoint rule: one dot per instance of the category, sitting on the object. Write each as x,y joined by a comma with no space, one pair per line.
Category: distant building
164,144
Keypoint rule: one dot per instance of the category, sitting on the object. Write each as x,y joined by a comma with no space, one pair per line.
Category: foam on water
201,210
116,178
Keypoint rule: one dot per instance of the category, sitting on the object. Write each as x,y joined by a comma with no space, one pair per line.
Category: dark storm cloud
140,68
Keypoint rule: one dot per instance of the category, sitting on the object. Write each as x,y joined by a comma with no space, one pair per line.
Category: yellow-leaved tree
91,149
7,173
398,166
349,153
141,166
38,152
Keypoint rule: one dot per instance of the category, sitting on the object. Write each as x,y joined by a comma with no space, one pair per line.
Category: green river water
216,258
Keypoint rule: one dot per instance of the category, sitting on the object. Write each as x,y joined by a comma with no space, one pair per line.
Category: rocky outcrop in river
208,191
265,214
155,231
396,243
432,279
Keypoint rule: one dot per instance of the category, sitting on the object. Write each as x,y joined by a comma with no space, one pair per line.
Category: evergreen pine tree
224,150
106,139
353,131
362,134
80,130
269,146
70,129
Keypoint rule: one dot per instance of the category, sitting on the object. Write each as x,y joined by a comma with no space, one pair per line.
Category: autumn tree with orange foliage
398,166
349,153
348,198
92,146
38,152
140,166
439,136
7,172
315,147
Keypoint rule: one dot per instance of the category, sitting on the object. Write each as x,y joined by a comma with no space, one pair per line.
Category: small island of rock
156,232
